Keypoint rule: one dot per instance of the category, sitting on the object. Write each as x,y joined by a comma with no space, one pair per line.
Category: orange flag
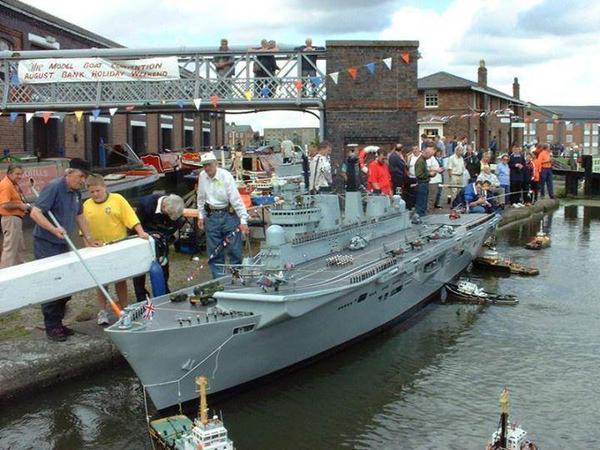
299,84
405,57
353,71
214,99
46,116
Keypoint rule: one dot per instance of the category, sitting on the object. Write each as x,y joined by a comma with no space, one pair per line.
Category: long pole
71,245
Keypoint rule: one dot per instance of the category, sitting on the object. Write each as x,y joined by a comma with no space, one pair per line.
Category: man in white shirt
433,166
456,170
221,214
287,150
495,189
320,170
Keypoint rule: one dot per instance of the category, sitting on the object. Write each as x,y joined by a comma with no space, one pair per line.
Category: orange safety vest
545,159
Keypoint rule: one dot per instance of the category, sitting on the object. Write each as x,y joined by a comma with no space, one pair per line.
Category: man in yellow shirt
109,217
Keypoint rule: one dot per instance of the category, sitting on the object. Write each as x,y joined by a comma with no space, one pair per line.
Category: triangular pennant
371,68
46,116
13,116
60,115
129,108
353,71
248,94
112,111
78,115
162,101
214,100
405,57
482,114
388,63
28,116
334,76
299,84
180,103
95,113
197,102
316,81
264,92
14,79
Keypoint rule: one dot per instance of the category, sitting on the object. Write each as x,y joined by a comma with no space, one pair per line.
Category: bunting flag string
197,102
388,63
13,116
28,116
180,103
78,115
353,71
214,100
299,84
334,76
316,80
46,116
371,68
112,111
129,108
248,94
95,113
405,57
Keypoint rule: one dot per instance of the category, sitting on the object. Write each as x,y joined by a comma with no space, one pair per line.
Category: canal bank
30,362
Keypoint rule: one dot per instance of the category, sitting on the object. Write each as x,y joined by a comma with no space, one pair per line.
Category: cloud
560,18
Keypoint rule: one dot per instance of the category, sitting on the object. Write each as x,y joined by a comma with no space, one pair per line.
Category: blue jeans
54,311
422,192
546,180
477,209
217,226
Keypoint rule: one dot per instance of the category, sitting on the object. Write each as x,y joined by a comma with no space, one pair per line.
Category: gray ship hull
268,336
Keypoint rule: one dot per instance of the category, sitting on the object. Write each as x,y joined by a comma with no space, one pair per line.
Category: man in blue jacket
475,199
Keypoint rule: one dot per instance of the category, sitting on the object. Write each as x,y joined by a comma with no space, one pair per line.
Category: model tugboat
491,260
180,433
467,292
504,438
540,241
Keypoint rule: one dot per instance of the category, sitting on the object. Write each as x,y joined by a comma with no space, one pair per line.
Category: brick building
23,27
378,108
300,136
572,126
442,95
238,136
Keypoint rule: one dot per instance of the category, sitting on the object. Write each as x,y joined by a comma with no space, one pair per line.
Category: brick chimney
516,89
482,74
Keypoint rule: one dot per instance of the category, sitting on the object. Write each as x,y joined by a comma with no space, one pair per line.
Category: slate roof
576,112
445,80
43,16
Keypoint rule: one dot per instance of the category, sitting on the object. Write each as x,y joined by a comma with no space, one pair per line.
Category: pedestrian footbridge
161,79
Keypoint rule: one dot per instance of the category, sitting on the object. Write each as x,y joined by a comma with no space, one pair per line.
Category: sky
551,45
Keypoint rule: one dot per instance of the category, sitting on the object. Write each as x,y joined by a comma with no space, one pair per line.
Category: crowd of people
429,173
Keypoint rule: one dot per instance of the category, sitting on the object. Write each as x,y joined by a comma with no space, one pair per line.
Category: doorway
138,139
98,134
45,137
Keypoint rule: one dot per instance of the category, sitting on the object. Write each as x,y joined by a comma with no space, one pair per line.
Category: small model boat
491,260
505,438
180,433
468,292
540,241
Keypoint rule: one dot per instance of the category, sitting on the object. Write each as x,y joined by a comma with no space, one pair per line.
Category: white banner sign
504,119
517,125
34,71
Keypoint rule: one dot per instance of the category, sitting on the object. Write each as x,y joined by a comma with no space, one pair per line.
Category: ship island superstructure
321,279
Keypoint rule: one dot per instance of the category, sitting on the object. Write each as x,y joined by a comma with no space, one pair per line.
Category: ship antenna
202,382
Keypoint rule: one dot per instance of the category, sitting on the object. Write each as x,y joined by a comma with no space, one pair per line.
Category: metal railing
238,87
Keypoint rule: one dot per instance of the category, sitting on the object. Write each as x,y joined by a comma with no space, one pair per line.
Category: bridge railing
288,86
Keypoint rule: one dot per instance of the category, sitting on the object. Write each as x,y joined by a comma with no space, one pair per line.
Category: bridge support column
379,108
322,119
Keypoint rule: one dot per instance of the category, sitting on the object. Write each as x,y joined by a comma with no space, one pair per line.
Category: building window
569,138
587,128
431,99
595,129
550,138
569,126
532,128
549,127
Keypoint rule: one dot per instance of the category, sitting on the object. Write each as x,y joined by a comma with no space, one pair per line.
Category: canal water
432,383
